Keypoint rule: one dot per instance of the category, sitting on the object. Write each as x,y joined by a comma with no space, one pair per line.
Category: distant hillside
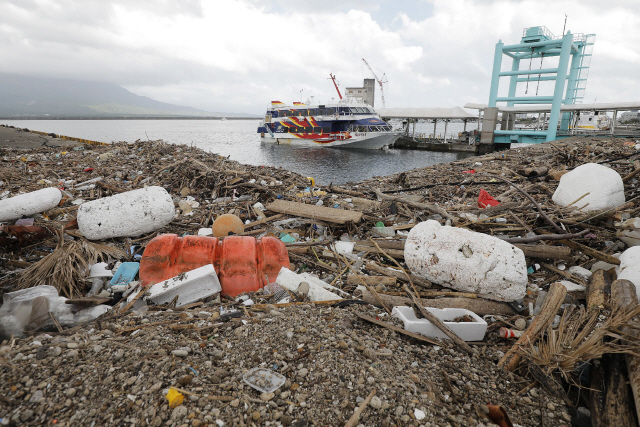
22,96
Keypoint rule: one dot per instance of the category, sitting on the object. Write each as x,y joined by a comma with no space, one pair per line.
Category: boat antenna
565,24
333,78
301,94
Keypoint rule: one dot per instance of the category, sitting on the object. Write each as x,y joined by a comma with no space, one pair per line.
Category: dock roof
425,113
602,106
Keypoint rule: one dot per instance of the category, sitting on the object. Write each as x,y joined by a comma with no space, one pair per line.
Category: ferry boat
348,124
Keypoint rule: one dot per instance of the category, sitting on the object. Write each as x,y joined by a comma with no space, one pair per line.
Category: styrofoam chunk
128,214
317,292
29,204
604,186
190,287
467,331
466,261
629,268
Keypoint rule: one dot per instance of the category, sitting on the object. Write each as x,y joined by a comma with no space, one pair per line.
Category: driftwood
623,296
591,252
336,216
405,277
545,252
550,306
480,306
544,237
596,290
353,421
423,206
609,396
395,253
396,329
372,280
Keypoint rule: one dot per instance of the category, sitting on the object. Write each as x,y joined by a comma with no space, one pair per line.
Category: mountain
22,96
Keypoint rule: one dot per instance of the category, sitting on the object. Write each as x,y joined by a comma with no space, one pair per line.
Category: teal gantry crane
540,43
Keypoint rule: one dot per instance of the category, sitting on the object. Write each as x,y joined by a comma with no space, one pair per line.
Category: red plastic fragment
485,199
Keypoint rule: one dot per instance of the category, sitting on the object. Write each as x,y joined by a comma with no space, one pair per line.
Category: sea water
239,140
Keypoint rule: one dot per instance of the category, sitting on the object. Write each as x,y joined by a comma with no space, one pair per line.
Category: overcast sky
237,56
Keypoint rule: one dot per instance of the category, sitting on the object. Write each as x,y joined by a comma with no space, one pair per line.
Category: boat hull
370,140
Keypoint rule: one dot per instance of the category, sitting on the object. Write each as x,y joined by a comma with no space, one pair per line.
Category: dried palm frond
66,267
581,336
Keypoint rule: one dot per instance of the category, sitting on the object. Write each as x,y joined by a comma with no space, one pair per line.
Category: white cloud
239,55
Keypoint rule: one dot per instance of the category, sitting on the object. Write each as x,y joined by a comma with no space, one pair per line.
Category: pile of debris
170,273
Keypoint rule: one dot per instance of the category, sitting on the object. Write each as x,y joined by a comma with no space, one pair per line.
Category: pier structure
573,54
432,143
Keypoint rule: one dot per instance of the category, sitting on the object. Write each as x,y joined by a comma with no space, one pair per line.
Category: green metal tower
539,43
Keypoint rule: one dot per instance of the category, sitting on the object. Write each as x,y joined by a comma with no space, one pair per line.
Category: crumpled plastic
485,200
28,309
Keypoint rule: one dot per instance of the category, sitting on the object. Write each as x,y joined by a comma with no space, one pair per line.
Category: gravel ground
331,359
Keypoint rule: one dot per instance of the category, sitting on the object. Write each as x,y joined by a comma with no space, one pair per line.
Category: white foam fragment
629,268
604,186
467,331
466,261
128,214
28,204
189,287
317,292
572,287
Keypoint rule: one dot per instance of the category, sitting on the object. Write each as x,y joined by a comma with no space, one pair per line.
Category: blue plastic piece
530,270
126,273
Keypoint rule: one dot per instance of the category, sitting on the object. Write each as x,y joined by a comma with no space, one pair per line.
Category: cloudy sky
238,55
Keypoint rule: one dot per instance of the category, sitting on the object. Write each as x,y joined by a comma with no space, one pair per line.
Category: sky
239,55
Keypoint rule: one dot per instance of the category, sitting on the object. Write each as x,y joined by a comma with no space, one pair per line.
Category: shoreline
304,343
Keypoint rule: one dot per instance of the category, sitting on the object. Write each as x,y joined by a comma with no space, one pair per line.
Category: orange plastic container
240,261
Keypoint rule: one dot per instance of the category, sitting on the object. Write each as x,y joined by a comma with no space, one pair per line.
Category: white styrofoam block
128,214
190,287
629,268
29,204
467,331
580,272
317,291
466,261
604,186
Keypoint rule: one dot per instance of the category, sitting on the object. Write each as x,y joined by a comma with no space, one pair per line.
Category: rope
541,59
526,91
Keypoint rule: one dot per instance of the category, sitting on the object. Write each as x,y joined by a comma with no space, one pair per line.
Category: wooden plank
480,306
545,251
396,329
335,216
623,294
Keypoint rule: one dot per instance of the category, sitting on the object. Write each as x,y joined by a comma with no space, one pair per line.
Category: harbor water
238,140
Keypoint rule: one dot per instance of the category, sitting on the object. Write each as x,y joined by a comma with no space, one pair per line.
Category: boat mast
333,78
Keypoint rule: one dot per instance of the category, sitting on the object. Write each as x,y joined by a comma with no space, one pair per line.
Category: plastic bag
485,200
29,309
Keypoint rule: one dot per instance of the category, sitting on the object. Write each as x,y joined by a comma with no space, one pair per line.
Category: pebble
180,353
264,396
375,402
234,403
72,345
70,392
179,412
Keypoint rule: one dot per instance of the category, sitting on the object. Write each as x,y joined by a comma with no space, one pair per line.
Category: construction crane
380,81
333,78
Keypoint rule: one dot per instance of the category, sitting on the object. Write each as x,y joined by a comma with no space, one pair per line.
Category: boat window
353,110
326,129
322,111
308,129
313,112
331,111
317,129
